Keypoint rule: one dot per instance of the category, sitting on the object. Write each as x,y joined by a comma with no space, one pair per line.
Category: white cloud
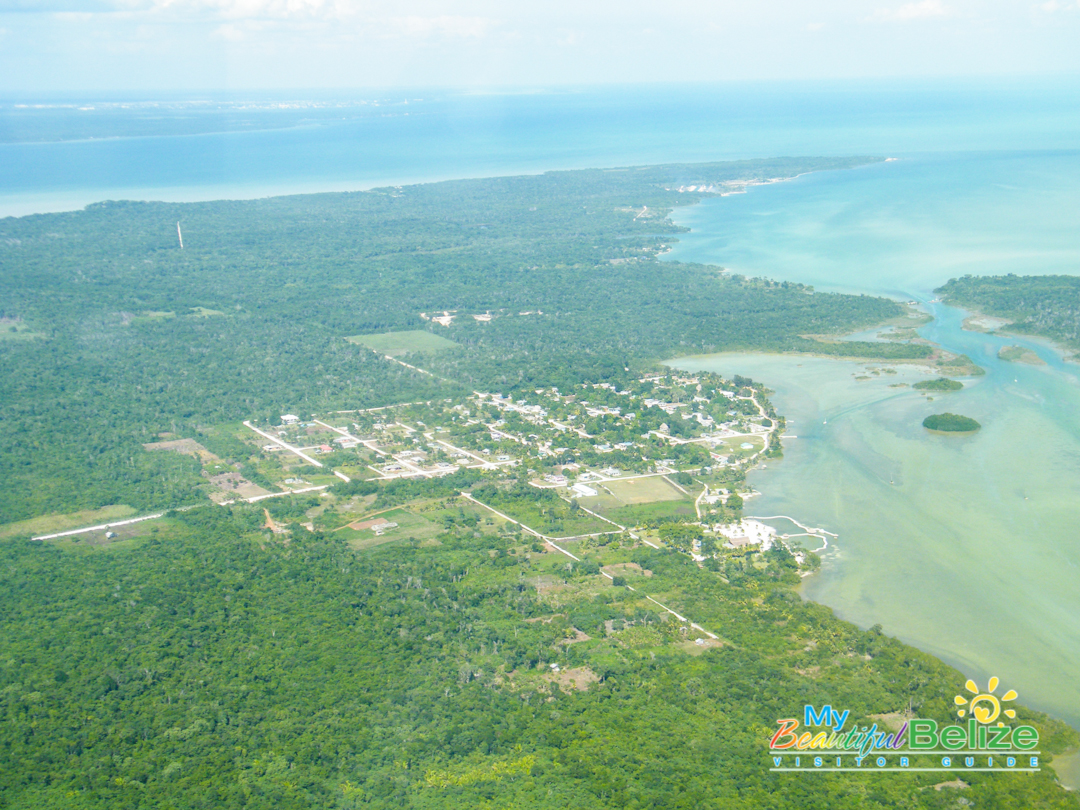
569,38
261,9
73,16
234,18
229,32
1052,6
49,6
229,9
922,10
444,26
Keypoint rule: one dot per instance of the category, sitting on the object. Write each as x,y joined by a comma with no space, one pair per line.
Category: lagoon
964,546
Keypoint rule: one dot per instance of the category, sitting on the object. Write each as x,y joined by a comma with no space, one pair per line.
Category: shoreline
21,204
1065,354
1069,775
940,324
24,203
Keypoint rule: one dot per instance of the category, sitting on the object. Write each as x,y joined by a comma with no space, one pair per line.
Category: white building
583,490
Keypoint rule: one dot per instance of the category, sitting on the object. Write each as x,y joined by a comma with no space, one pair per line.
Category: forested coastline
115,334
283,653
1046,306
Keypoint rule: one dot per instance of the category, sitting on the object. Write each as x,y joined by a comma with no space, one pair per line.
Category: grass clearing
12,333
48,524
658,510
643,490
16,329
602,503
734,445
397,343
203,312
409,525
124,537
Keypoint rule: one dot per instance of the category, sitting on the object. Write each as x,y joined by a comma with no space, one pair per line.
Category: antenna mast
179,236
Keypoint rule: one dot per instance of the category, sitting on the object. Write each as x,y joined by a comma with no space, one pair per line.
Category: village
661,460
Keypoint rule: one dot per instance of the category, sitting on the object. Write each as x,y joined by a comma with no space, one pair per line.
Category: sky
164,45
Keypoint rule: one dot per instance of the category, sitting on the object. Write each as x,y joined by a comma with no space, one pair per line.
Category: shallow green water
965,546
962,545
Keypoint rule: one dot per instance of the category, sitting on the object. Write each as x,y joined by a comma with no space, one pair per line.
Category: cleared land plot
123,537
188,447
228,488
11,332
643,512
48,524
554,519
638,500
409,525
397,343
734,446
643,490
602,503
627,570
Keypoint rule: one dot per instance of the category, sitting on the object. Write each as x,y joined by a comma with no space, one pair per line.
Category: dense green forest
215,666
136,337
1048,306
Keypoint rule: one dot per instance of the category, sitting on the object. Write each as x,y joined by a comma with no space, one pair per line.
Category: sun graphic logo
985,706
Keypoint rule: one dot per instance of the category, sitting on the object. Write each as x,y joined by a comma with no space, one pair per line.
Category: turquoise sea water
965,546
443,135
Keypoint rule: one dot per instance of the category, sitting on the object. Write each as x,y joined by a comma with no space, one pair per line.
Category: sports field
644,490
639,499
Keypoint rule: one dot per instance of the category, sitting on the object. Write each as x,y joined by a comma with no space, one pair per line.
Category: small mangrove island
1020,354
940,384
950,423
